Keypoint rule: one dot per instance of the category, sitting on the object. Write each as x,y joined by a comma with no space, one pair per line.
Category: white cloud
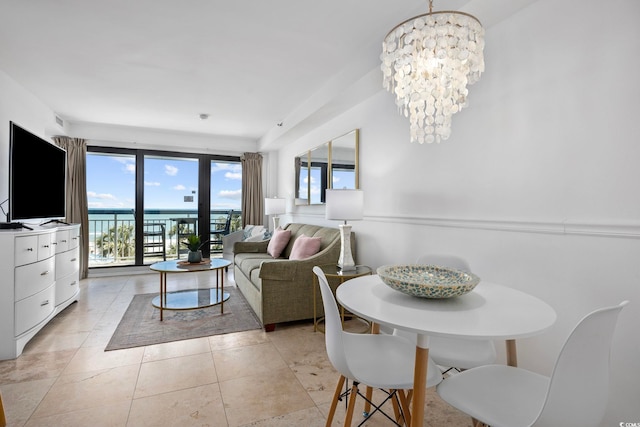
179,187
151,184
170,170
230,194
233,175
234,167
130,168
103,196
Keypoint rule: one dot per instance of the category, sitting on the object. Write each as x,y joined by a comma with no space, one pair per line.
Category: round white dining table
490,311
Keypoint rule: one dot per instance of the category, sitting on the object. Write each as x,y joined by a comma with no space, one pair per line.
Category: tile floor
282,378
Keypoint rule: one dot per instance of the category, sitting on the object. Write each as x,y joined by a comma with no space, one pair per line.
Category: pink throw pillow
304,247
278,242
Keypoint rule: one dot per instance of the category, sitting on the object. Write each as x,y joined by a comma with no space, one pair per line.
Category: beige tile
269,394
112,415
46,341
299,344
197,406
21,399
310,417
319,379
174,374
245,361
87,390
34,366
238,339
88,359
176,349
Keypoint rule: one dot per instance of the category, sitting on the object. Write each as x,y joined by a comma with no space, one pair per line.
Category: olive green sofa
279,289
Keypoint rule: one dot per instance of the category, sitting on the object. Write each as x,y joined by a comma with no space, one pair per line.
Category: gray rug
141,323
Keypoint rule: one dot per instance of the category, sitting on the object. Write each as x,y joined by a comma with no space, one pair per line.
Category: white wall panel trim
601,229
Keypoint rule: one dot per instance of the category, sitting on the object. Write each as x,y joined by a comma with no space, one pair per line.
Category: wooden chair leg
396,408
367,405
405,400
352,403
334,402
3,419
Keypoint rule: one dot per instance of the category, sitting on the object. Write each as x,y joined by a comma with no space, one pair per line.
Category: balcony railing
112,234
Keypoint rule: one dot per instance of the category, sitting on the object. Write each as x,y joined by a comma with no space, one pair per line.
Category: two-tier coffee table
190,299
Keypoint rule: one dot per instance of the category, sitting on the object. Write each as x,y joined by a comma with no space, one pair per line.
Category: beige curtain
252,198
77,209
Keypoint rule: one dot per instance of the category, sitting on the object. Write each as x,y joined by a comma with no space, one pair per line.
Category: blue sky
111,183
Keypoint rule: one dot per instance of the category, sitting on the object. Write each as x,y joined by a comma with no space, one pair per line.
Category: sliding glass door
143,203
170,206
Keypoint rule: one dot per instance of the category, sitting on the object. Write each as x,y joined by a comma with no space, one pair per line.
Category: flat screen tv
37,178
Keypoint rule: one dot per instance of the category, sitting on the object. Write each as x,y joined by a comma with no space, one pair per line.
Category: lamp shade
344,205
275,206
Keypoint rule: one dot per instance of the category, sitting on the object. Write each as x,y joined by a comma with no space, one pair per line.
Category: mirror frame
303,169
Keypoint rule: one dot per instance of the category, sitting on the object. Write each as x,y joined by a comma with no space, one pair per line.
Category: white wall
538,187
23,108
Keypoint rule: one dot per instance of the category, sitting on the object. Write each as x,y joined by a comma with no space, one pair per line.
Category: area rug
141,323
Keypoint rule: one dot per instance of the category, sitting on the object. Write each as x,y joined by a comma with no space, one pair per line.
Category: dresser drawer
67,263
26,250
46,245
31,279
67,287
74,238
33,310
62,241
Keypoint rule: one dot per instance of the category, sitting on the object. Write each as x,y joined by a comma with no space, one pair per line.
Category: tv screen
37,177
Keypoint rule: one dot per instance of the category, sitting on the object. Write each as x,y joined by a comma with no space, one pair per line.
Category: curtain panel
252,198
77,208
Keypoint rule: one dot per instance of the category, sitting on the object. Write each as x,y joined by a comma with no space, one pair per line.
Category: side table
333,272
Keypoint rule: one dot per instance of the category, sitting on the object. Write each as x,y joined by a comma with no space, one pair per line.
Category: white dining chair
457,353
574,396
375,360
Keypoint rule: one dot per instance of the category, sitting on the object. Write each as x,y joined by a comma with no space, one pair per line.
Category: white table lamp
275,206
345,205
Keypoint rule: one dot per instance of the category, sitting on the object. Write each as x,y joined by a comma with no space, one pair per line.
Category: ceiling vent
59,121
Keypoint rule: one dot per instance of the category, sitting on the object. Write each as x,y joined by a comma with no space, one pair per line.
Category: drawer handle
45,246
44,303
74,259
54,243
73,283
29,249
44,273
74,238
64,241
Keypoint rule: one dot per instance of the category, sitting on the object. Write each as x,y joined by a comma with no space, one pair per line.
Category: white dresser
39,277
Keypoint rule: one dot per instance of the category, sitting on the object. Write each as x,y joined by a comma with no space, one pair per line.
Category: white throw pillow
256,238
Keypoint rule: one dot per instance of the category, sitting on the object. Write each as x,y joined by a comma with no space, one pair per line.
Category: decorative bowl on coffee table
428,281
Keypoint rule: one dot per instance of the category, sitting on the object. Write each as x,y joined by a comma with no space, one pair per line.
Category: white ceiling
159,64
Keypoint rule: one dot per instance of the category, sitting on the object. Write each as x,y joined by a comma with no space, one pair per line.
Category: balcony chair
379,361
218,230
154,244
575,395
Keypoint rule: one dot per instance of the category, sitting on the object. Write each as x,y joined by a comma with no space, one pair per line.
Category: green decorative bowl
428,281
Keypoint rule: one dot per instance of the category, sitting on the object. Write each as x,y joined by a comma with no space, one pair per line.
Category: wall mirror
333,164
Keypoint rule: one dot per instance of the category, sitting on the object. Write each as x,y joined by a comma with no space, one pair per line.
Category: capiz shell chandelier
427,62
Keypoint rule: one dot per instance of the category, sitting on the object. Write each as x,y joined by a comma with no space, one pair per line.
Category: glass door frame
204,189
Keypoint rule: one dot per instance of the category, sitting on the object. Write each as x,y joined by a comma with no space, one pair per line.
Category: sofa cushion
304,247
278,242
